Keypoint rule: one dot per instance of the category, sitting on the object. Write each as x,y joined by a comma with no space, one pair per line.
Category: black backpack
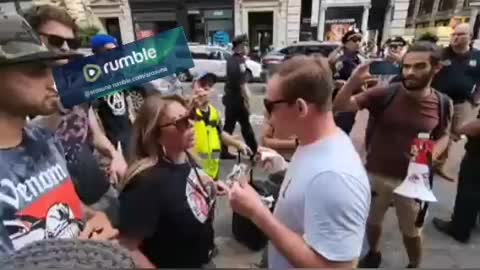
243,229
393,89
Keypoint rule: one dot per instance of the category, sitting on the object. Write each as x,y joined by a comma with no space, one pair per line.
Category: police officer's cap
396,41
351,34
238,40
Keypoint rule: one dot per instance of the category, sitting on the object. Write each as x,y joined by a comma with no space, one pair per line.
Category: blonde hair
145,150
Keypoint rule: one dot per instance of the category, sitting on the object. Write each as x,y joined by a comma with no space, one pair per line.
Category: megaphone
419,180
416,184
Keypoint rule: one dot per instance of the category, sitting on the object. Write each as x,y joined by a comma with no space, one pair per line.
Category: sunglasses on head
181,123
58,41
270,105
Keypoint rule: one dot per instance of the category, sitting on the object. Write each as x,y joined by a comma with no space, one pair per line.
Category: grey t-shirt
325,198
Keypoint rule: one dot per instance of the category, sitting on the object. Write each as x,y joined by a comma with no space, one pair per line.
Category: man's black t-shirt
113,111
458,75
236,76
167,208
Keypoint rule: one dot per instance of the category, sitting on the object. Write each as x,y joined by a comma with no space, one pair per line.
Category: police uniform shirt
345,66
236,71
459,74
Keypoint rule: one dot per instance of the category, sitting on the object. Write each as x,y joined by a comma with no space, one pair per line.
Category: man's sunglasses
181,123
270,105
58,41
356,39
395,46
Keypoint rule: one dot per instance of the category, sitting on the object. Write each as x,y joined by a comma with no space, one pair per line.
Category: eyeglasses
395,46
270,105
58,41
180,124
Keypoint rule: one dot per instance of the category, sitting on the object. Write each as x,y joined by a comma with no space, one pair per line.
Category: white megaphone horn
416,184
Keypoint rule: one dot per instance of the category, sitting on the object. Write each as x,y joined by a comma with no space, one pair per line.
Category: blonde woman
166,204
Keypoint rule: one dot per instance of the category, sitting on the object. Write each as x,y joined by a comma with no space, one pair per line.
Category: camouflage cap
20,44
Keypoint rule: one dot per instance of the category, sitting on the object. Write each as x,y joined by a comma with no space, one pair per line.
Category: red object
145,34
421,150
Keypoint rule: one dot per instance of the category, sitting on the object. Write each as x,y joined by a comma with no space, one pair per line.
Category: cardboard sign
132,64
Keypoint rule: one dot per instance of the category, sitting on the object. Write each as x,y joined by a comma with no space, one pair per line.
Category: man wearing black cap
395,50
389,69
37,197
343,68
236,95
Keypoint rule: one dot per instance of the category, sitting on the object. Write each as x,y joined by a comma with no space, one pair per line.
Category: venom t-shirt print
37,197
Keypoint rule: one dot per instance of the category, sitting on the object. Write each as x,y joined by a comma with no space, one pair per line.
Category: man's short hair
309,78
39,15
425,46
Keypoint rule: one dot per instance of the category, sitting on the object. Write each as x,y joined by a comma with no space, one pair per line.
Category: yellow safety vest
208,143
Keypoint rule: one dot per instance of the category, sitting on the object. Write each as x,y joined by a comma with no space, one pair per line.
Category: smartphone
384,68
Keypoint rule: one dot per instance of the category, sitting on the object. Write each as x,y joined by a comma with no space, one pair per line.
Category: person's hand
455,137
118,167
360,76
222,188
339,84
270,161
395,57
245,201
244,149
98,228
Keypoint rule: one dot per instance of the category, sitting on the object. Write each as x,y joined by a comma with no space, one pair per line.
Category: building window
411,8
446,5
426,7
466,3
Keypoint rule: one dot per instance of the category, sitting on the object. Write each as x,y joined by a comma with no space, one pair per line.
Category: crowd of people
142,169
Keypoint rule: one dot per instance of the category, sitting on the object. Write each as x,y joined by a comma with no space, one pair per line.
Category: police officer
236,95
458,79
344,63
467,201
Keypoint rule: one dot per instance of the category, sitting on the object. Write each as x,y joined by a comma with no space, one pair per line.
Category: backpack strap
444,113
373,118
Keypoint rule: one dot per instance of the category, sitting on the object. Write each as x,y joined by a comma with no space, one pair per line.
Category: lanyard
207,193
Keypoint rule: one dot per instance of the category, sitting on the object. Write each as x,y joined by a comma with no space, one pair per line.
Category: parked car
276,57
214,59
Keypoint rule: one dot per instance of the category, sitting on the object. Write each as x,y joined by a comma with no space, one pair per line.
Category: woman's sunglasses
58,41
181,123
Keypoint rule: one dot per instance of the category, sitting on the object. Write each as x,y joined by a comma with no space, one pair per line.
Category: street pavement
440,251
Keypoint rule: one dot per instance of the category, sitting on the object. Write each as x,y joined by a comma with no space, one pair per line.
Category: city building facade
268,22
438,17
200,19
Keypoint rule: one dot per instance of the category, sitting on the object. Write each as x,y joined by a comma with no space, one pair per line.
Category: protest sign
132,64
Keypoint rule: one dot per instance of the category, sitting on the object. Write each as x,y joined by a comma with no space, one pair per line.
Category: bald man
459,80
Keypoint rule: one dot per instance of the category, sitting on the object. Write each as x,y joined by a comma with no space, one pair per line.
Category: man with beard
37,197
401,111
458,79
